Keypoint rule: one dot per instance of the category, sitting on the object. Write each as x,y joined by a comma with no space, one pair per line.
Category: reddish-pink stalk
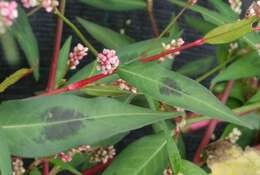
57,45
77,85
45,169
184,47
97,169
257,28
212,125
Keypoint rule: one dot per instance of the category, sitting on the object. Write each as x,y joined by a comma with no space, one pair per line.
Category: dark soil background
140,29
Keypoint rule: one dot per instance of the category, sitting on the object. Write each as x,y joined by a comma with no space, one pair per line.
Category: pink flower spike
108,61
79,52
8,13
30,3
49,5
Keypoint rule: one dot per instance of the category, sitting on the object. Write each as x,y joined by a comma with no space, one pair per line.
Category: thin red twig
212,125
77,85
57,45
97,169
184,47
45,165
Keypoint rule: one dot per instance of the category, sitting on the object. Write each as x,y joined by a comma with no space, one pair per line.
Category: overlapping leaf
117,5
175,89
47,125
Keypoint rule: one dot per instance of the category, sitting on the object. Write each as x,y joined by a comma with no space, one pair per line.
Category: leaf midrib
151,157
81,119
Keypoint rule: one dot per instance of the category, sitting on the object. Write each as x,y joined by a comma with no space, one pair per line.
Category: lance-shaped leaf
47,125
106,36
12,79
230,32
189,168
246,66
23,33
218,19
176,90
117,5
147,156
62,66
5,160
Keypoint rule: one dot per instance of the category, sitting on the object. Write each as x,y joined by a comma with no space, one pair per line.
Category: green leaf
196,67
235,71
106,36
209,15
146,156
117,5
128,53
23,33
199,24
215,18
62,66
104,90
189,168
12,79
224,9
230,32
35,171
255,98
176,90
5,160
10,49
43,126
65,166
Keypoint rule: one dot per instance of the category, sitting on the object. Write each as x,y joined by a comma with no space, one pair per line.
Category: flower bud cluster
108,61
123,85
8,13
18,168
79,52
173,45
236,5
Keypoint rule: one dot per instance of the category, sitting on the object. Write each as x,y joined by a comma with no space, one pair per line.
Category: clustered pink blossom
192,2
167,171
96,154
254,9
79,52
236,5
18,166
8,13
108,61
123,85
70,153
103,154
173,45
49,5
30,3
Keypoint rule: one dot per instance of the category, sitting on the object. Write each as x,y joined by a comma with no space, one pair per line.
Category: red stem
57,45
97,169
184,47
77,85
45,164
212,125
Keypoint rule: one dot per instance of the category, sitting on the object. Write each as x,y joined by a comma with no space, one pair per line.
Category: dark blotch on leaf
170,87
63,123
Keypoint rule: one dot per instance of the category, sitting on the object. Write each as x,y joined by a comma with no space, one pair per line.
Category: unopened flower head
236,5
167,171
49,5
234,136
18,168
173,45
30,3
123,85
103,154
79,52
254,9
193,2
67,157
108,61
8,13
